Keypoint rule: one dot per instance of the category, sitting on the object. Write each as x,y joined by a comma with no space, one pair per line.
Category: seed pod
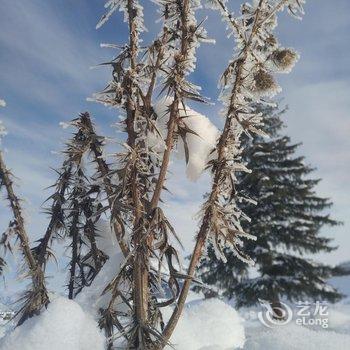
284,59
264,83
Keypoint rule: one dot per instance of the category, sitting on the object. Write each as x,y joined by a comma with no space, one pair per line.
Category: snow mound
339,318
208,325
294,337
91,298
63,326
200,146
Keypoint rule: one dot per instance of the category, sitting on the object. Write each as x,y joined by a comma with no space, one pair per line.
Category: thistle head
285,59
264,83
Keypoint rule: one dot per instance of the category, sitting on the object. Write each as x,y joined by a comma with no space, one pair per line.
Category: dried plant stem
206,221
230,17
166,156
38,295
104,171
17,213
57,207
174,111
141,264
75,246
157,66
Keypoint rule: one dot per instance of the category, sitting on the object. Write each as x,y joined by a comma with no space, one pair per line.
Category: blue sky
48,47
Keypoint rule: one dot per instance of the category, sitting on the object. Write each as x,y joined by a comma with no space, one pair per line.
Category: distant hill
341,279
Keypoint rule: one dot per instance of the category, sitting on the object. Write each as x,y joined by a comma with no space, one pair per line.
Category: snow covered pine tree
287,220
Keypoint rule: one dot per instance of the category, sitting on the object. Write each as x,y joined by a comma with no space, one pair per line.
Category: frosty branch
220,206
36,297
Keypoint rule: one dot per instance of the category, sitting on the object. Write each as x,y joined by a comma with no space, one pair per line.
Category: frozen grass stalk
36,297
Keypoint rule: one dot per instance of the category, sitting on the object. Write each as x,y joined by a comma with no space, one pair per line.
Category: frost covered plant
75,209
284,59
16,237
264,83
221,214
150,276
151,261
130,189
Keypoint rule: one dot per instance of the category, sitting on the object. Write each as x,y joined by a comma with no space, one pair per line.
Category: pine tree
287,221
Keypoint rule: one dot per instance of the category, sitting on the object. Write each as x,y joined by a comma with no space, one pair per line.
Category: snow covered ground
205,325
297,337
64,325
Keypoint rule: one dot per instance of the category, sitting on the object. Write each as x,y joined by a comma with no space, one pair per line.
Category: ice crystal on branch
140,176
248,78
75,209
142,167
14,238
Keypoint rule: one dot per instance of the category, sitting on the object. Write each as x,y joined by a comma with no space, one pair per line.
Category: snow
339,318
205,325
2,103
4,322
72,325
208,325
293,337
64,325
296,337
90,297
200,146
